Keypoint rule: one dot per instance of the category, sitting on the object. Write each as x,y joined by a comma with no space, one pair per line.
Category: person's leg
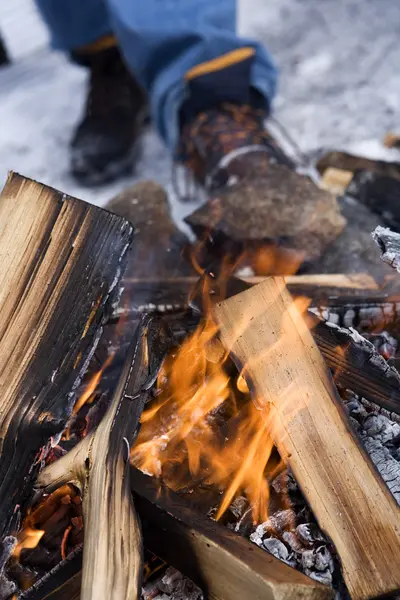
75,23
176,47
104,143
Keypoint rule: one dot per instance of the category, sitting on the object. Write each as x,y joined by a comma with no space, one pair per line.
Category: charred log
60,263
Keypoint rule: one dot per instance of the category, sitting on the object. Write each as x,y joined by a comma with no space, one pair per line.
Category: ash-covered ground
339,86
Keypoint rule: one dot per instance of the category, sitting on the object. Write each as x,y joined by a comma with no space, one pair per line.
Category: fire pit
216,422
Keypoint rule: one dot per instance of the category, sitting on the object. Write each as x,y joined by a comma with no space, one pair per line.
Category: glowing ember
27,538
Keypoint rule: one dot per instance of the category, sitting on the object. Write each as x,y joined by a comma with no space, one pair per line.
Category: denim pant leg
163,39
75,23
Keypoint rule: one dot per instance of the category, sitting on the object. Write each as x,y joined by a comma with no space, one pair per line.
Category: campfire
221,446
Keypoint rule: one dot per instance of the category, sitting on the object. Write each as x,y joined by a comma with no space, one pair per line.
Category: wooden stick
60,263
171,293
267,335
225,565
353,281
99,466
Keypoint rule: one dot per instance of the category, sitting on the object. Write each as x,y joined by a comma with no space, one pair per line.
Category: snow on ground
339,86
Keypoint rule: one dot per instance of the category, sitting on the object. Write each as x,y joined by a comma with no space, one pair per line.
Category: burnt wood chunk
389,245
268,338
356,365
60,263
282,209
379,193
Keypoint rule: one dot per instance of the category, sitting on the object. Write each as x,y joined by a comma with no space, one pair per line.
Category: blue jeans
161,41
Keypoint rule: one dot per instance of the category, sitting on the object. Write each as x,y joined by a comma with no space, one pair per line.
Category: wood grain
99,466
60,262
265,332
225,565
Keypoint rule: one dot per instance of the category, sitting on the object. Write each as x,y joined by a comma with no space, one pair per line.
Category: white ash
239,507
381,438
366,317
172,585
301,546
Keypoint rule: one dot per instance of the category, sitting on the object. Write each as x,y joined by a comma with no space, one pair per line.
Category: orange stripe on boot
103,43
221,62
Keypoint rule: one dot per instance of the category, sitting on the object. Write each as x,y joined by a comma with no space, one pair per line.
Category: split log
353,360
268,337
60,263
225,565
99,466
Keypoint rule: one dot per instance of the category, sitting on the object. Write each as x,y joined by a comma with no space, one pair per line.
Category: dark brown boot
105,143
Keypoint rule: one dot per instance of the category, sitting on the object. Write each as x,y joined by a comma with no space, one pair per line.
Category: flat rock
354,251
280,208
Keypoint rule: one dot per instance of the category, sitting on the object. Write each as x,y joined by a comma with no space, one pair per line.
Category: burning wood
60,262
112,558
202,436
268,338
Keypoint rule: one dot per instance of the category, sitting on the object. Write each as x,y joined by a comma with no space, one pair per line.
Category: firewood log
268,338
60,263
99,466
225,565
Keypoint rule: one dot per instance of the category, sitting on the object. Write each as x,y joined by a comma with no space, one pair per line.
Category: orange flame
87,395
27,538
179,439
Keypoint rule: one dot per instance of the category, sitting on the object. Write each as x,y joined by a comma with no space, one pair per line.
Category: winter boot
105,143
228,143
